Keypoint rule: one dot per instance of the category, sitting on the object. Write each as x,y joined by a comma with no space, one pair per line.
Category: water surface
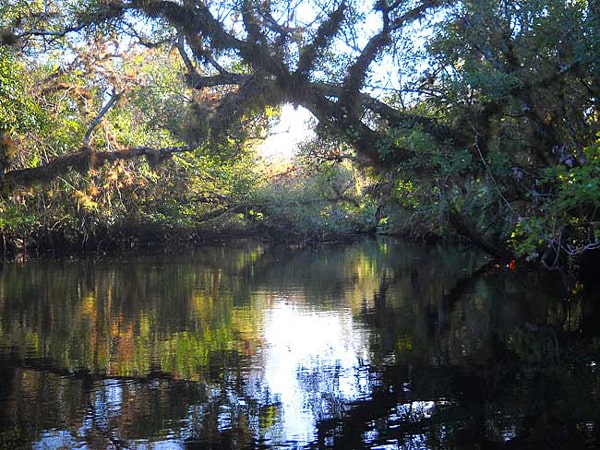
378,344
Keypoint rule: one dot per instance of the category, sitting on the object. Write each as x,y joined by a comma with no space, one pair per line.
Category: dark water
379,344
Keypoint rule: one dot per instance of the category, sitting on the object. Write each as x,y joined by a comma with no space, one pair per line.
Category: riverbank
155,238
150,238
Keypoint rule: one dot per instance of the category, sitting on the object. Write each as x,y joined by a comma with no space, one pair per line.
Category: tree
258,53
523,78
103,133
503,95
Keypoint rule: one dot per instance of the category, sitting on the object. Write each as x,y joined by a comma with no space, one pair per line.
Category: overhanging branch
325,33
196,81
81,162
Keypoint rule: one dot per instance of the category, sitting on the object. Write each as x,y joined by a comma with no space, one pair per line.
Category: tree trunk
464,226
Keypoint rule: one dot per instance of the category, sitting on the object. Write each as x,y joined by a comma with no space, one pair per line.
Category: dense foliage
129,121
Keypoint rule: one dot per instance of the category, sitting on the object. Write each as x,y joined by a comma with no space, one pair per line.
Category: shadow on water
379,344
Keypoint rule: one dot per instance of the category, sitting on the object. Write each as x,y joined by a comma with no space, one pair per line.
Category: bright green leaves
18,112
577,187
405,193
530,236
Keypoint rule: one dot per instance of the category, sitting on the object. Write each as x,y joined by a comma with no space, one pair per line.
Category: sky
294,127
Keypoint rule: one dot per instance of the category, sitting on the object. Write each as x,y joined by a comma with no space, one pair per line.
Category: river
379,344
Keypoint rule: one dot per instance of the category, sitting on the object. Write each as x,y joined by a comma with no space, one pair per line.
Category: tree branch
184,56
465,226
196,81
416,13
253,95
114,98
357,72
325,32
194,18
81,162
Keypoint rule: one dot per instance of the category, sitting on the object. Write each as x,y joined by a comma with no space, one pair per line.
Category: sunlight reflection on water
313,363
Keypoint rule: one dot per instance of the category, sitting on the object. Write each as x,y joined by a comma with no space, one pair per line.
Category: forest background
136,123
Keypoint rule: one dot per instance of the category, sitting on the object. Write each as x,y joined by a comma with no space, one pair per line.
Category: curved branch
254,95
392,116
81,162
395,118
357,72
114,98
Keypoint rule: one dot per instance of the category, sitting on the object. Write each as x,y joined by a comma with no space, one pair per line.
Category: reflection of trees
499,362
127,326
485,407
103,411
125,318
129,318
171,348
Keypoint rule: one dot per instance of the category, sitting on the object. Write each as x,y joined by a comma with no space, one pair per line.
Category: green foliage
16,221
579,185
48,110
512,81
18,112
568,217
315,202
420,192
159,105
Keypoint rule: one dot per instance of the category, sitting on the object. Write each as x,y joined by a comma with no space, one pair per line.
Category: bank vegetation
136,123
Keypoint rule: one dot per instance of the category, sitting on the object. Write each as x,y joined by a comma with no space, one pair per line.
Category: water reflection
375,345
315,362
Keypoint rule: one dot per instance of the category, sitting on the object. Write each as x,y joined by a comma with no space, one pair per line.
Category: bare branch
114,98
184,56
